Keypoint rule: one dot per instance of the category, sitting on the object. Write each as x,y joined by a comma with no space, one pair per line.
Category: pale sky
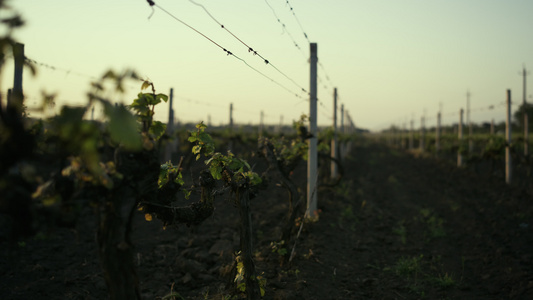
390,60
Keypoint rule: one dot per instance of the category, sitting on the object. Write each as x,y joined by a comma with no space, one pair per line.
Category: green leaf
146,84
179,179
196,149
216,172
158,129
123,127
162,97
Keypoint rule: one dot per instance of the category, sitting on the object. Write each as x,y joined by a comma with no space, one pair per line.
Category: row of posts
460,159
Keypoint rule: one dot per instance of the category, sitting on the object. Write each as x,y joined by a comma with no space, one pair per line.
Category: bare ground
397,227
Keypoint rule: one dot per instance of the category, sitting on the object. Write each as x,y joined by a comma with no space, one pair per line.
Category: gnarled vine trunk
252,284
114,244
140,172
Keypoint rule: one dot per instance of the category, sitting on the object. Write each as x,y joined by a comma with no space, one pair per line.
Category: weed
434,224
344,189
444,281
40,236
172,295
279,248
401,231
409,266
347,216
454,206
392,180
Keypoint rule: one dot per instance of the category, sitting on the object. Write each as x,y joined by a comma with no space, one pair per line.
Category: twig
295,240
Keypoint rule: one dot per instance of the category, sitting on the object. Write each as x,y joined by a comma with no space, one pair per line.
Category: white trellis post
460,130
343,144
526,129
261,123
312,159
469,122
334,151
169,147
508,167
422,134
437,134
230,144
411,135
231,116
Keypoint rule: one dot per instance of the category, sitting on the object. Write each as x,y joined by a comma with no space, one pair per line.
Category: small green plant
409,266
344,189
401,231
240,278
226,167
435,225
392,180
279,248
444,281
347,216
173,295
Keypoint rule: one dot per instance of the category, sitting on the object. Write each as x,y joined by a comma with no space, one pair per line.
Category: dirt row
397,227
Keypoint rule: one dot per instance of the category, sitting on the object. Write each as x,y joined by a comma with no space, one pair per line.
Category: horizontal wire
152,3
250,49
54,68
298,21
262,74
284,27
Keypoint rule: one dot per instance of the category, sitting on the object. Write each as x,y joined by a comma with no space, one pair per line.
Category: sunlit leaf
146,84
148,217
158,129
162,97
123,128
109,74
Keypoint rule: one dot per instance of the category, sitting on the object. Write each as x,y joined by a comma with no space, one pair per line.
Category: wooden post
492,127
334,149
508,167
312,159
437,134
460,137
16,99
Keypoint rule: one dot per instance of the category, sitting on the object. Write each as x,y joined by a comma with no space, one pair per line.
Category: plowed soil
396,227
